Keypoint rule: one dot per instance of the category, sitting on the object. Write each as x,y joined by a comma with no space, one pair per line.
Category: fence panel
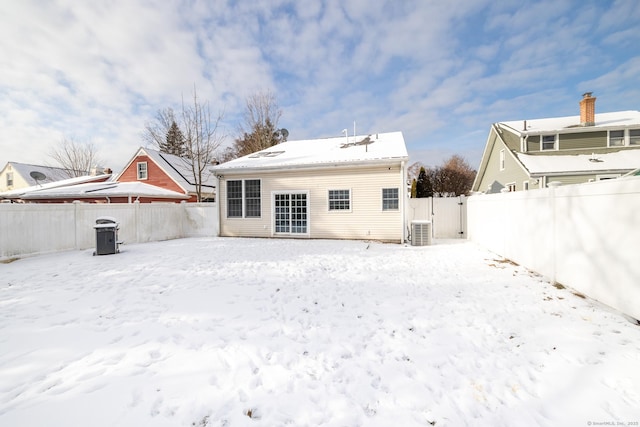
447,214
583,236
32,228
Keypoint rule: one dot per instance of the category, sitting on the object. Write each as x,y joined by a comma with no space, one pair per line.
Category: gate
448,215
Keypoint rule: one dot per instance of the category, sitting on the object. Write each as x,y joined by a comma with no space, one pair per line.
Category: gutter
311,167
582,172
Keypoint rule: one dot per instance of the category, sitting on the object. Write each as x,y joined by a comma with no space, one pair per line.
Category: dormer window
616,138
624,138
548,142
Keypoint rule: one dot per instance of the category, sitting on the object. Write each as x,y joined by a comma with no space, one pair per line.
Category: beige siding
512,140
533,143
18,180
365,220
577,141
496,178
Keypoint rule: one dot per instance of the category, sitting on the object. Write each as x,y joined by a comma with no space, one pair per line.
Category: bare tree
460,175
156,131
260,127
202,139
414,170
193,134
77,158
453,178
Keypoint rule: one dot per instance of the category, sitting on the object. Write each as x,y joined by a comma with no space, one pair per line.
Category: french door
290,213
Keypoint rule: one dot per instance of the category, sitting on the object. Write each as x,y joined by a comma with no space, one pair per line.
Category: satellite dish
38,176
284,133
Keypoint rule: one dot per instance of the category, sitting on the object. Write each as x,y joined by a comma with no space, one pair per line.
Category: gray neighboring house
528,154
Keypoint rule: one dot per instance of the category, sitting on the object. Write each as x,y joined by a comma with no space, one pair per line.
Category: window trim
525,186
243,209
245,198
289,232
387,199
348,200
623,139
555,142
502,159
139,171
235,198
9,177
511,187
635,138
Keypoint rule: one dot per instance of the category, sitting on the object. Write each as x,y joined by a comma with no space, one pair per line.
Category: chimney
588,110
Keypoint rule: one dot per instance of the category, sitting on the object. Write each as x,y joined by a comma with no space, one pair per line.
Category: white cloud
439,71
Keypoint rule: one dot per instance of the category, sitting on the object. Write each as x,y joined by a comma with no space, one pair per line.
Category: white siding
366,219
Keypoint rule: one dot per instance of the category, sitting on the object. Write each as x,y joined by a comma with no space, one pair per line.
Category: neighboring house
169,172
334,188
527,154
105,192
16,175
21,193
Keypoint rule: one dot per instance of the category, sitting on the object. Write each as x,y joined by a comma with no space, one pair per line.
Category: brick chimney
587,110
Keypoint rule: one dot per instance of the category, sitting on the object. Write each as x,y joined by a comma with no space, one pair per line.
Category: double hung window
142,170
244,198
339,200
548,142
390,198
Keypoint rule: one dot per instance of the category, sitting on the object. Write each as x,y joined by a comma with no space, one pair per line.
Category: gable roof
177,168
571,124
362,149
619,161
51,173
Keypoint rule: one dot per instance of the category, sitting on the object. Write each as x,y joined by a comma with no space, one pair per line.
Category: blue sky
439,71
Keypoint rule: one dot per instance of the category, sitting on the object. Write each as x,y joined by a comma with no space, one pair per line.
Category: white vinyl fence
34,228
448,215
582,236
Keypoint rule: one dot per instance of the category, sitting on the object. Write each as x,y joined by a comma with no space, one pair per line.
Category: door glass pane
282,208
290,212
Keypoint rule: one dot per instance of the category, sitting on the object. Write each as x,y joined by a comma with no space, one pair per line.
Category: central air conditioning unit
420,233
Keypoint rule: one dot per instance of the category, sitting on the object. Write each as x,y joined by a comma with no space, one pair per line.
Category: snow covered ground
249,332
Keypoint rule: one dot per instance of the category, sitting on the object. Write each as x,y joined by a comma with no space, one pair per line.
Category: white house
333,188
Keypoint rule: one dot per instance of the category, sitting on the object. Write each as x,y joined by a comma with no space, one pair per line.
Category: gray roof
51,173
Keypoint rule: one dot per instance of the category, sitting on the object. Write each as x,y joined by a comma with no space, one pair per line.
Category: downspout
108,199
219,203
403,191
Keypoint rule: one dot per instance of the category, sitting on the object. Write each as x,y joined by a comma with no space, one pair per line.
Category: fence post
552,194
136,215
183,217
76,206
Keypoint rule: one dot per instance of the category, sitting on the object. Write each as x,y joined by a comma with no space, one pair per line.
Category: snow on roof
329,151
179,169
55,184
51,173
623,160
105,189
603,121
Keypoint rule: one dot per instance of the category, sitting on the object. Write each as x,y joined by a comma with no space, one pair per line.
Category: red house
169,172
